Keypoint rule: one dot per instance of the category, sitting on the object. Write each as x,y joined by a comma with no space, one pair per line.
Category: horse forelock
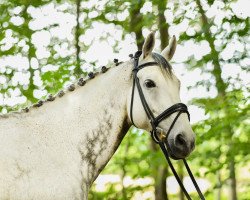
163,63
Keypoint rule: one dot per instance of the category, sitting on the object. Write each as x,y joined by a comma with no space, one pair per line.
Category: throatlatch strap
132,102
136,60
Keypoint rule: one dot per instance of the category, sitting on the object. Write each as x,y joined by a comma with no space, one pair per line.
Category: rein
157,133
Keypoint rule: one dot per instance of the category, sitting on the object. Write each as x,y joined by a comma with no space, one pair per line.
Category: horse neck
102,115
87,124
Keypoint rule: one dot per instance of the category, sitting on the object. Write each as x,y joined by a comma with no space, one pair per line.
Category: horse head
154,100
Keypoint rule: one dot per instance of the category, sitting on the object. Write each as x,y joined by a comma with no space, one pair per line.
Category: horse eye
149,83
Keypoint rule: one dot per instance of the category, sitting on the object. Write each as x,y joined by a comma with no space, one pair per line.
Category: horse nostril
179,140
181,146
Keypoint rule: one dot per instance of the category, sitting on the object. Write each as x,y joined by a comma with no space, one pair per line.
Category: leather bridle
154,121
157,133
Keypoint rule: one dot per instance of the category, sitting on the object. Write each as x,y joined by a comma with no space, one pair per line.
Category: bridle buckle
158,135
161,134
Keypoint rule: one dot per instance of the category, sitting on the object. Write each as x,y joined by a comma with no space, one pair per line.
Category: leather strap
179,107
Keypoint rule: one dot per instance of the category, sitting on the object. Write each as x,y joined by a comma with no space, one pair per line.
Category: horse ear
169,51
148,45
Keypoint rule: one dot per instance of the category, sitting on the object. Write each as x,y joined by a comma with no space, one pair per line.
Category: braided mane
50,97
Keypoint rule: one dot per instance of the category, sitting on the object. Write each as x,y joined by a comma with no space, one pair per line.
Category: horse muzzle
179,146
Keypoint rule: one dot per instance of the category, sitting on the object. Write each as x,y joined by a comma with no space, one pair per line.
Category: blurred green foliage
222,148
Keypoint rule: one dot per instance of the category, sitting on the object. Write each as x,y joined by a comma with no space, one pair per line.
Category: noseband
157,133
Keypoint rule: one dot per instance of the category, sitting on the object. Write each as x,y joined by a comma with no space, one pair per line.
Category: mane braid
79,83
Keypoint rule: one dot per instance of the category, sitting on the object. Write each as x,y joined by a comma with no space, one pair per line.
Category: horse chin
171,153
174,157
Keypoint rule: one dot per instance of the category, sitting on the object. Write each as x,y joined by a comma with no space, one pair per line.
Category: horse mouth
170,152
173,152
172,155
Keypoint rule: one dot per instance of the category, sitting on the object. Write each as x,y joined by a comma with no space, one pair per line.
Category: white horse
56,149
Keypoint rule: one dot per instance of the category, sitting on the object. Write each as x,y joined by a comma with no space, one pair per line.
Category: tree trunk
233,192
162,24
29,91
77,35
220,84
160,175
124,171
160,183
218,187
181,174
135,23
